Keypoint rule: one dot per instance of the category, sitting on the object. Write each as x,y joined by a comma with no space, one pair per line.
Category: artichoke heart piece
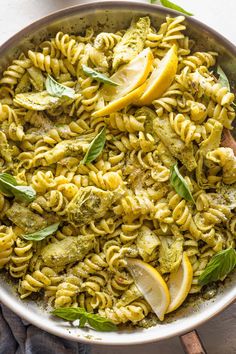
68,250
88,204
67,148
38,101
171,252
209,144
129,296
147,242
24,84
132,42
36,78
25,219
173,143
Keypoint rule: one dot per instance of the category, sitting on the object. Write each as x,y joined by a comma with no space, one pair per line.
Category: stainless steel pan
108,16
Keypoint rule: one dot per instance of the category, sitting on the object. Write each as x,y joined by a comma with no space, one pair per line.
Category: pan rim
14,40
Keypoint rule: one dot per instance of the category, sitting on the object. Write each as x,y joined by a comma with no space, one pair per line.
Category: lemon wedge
120,103
129,76
161,78
151,284
179,283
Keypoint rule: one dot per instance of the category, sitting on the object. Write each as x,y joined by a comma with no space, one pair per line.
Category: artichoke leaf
147,242
171,251
38,101
25,219
36,78
129,296
67,148
68,250
132,42
173,143
88,204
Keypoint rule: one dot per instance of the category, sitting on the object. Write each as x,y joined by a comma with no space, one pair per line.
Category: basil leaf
223,80
171,5
55,89
41,234
5,181
24,193
221,264
10,188
100,323
69,313
82,321
95,147
95,321
179,184
98,76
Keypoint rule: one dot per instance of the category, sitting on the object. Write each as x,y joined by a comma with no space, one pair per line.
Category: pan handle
192,343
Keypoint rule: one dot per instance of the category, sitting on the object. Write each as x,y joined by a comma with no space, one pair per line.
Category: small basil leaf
95,321
221,264
95,147
41,234
98,76
10,188
55,89
24,193
82,321
171,5
6,181
179,184
69,313
101,324
223,80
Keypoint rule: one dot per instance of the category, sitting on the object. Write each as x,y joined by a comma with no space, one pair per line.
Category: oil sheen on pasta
122,204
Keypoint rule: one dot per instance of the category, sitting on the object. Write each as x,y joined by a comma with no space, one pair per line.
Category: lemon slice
161,77
180,283
151,284
129,76
120,103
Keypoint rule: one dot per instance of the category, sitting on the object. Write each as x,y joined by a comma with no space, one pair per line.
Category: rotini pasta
121,203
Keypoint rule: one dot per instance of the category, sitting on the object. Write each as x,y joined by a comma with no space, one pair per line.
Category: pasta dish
113,171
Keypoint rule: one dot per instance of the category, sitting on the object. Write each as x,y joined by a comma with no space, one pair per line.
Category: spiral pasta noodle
7,239
105,41
20,259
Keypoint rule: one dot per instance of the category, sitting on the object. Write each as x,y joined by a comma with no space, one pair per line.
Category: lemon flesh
179,284
129,76
161,78
120,103
151,284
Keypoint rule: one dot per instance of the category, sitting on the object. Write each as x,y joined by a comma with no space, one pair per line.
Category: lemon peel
179,284
161,78
120,103
151,284
129,76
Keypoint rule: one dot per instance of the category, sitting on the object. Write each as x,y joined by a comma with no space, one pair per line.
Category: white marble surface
219,334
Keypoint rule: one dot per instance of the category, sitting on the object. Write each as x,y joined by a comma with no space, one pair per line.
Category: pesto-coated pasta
122,203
